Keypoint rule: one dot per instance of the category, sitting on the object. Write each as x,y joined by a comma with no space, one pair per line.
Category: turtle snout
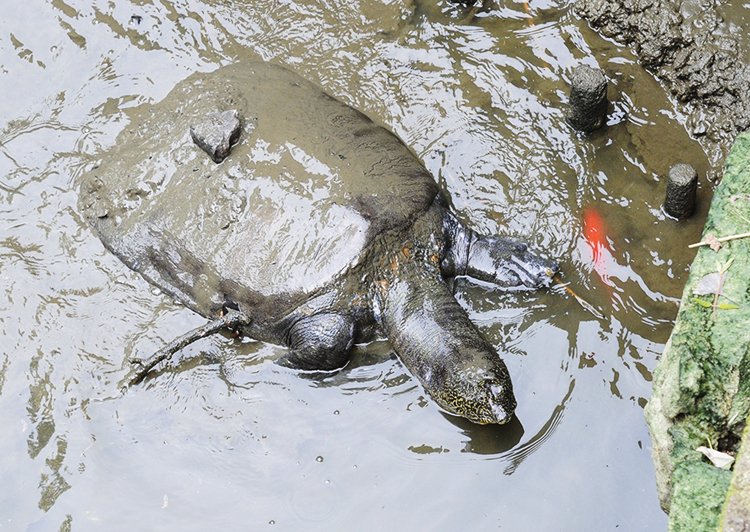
502,402
545,271
502,416
549,272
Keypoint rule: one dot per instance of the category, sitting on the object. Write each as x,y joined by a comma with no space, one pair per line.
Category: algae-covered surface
701,387
736,517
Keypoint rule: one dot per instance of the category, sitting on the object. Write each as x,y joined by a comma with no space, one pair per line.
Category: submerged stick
472,13
585,304
722,239
233,318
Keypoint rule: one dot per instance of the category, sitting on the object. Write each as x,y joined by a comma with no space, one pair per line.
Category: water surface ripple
230,440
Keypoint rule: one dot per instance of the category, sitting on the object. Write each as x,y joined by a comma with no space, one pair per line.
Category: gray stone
588,99
682,184
216,133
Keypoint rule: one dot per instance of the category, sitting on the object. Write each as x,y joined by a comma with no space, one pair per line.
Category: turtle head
477,388
439,345
508,264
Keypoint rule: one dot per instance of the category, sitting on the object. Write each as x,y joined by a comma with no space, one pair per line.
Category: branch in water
231,319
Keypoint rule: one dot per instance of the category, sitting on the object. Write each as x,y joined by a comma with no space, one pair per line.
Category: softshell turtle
318,229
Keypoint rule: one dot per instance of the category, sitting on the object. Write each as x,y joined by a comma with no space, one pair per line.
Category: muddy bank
696,48
701,394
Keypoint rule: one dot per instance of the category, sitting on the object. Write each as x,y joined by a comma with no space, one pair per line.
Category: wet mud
699,49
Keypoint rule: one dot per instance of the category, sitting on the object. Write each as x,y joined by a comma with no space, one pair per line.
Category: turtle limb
319,342
231,319
504,262
508,264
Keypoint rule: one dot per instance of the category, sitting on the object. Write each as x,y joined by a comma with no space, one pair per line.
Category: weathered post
588,99
682,184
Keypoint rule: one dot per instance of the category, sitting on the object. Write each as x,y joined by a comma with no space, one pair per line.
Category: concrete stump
682,184
588,99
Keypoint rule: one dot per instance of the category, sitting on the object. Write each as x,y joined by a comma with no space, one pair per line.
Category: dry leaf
709,284
734,198
712,242
717,458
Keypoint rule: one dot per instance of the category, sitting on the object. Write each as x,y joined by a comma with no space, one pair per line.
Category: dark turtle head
477,387
509,264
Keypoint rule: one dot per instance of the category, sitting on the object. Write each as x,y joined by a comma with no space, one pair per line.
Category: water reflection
225,436
525,449
491,443
488,439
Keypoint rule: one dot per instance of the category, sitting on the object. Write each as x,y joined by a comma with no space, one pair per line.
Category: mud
696,48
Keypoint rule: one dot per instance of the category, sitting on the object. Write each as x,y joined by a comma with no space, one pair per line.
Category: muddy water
230,440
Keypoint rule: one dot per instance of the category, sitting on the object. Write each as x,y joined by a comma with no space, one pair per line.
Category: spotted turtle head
478,388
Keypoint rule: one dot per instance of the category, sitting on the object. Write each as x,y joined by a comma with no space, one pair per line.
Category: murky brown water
231,440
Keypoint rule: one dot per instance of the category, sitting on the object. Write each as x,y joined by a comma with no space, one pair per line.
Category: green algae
736,516
699,491
701,390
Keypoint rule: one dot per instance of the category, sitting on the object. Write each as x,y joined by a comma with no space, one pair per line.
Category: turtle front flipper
319,342
508,264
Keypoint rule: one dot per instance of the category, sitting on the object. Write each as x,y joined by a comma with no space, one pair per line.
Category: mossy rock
701,394
736,517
